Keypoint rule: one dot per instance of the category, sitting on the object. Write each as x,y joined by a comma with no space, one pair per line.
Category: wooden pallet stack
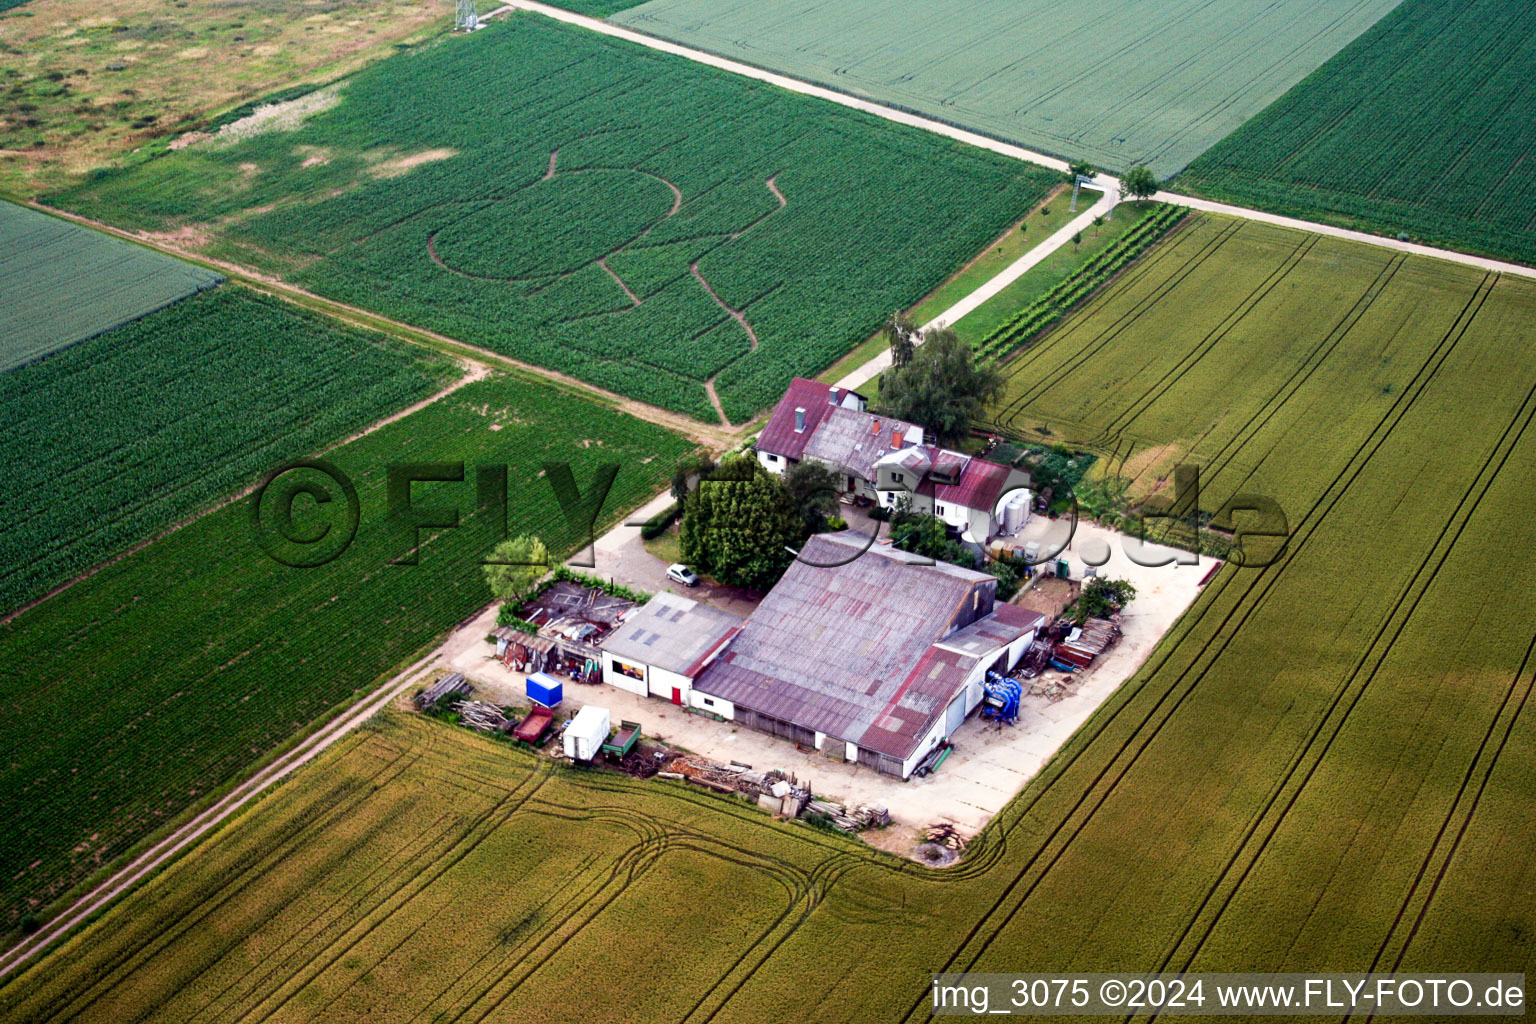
850,819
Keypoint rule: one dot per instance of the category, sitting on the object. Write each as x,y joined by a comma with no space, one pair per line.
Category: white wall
719,705
772,463
612,677
661,683
935,734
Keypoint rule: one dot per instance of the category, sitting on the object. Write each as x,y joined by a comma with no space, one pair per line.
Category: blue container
544,689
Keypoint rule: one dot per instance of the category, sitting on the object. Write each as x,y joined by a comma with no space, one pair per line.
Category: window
709,702
628,670
897,477
938,510
773,458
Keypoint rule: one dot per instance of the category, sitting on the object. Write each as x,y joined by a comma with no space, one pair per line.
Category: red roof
779,436
981,484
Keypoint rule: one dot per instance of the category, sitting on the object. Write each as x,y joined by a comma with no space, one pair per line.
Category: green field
109,442
599,208
1113,82
1327,765
61,283
1424,127
133,694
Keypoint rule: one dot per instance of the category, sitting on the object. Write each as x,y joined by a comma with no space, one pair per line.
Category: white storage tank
1015,512
586,733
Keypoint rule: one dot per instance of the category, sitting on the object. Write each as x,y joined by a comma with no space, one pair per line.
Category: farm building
881,459
660,649
876,659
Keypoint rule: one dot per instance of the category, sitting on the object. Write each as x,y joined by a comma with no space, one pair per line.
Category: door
677,695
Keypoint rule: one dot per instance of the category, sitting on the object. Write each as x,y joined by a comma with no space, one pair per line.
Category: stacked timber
1094,638
850,819
454,685
481,716
946,835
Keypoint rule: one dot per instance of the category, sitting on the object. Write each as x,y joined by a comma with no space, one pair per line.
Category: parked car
680,573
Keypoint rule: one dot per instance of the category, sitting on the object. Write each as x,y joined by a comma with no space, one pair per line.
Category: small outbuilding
659,650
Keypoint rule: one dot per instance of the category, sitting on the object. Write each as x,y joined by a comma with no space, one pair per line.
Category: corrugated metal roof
854,440
834,649
673,633
986,636
981,484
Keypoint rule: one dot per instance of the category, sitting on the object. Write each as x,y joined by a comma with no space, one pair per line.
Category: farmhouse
659,650
881,459
873,657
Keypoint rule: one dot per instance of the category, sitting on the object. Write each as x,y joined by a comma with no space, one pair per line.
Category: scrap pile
480,715
946,835
851,819
1034,660
782,791
453,685
1079,647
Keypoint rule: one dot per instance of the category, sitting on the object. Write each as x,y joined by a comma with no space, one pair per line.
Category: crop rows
112,736
1423,127
107,443
1078,285
1115,83
538,222
61,283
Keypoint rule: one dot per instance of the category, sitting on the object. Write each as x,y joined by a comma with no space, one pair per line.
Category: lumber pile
1092,639
946,835
850,819
454,685
481,716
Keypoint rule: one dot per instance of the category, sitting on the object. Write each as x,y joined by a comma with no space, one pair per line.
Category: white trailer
586,733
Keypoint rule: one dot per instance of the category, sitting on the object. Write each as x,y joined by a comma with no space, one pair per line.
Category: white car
680,573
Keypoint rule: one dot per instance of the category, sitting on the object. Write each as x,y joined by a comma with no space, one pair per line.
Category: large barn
876,653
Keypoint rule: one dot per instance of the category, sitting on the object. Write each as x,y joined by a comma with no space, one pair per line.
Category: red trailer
532,730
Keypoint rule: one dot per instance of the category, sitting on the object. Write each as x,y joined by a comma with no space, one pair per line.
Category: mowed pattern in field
106,443
1424,126
600,208
1327,765
61,283
129,696
1112,82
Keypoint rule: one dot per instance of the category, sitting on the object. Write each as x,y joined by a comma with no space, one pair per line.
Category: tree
813,490
901,335
1101,597
926,535
688,474
1077,239
942,389
514,566
1139,183
1080,169
741,524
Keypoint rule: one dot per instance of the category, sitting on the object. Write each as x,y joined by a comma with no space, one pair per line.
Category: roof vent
799,421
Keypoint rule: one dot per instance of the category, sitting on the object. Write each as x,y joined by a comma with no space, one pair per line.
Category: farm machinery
1000,699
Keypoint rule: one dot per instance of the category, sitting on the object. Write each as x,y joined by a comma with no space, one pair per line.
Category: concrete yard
989,766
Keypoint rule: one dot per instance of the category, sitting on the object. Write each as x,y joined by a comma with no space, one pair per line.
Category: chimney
832,396
799,421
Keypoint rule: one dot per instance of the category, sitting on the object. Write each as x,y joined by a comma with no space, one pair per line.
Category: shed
660,649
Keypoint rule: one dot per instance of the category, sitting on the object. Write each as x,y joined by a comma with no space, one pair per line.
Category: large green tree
901,334
813,489
942,389
740,524
1139,183
514,566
